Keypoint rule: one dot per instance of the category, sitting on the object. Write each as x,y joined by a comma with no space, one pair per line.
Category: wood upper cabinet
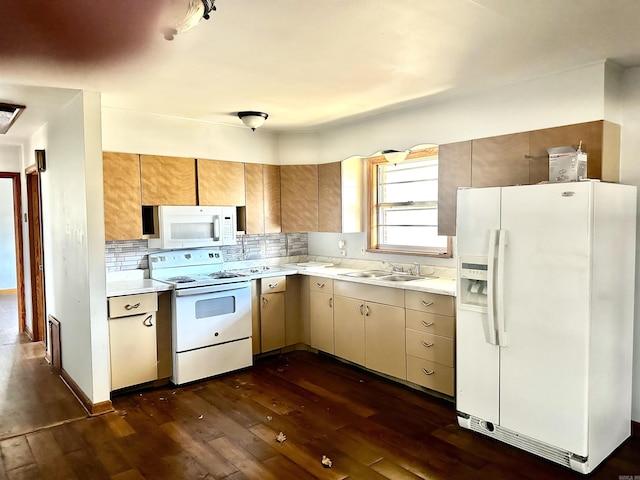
168,180
600,141
499,161
262,186
122,204
299,197
330,197
454,170
220,183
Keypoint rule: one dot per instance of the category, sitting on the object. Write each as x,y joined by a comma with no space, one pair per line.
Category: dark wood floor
226,427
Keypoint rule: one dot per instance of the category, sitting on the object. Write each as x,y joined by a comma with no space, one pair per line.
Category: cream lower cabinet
430,338
132,340
321,314
272,313
369,326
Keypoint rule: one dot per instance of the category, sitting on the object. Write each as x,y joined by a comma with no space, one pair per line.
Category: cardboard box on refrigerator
566,164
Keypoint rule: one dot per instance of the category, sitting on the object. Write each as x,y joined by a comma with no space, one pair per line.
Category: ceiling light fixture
183,15
395,156
8,115
253,120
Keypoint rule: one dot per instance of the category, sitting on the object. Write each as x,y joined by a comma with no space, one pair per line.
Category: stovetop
197,268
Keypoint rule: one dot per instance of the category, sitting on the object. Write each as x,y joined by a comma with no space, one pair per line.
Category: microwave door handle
216,228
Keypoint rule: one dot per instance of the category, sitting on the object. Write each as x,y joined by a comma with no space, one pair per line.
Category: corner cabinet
262,186
299,198
321,314
122,202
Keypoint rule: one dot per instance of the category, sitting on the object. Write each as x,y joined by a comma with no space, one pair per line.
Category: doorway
13,243
36,254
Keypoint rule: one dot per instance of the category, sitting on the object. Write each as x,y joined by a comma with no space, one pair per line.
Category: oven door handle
225,287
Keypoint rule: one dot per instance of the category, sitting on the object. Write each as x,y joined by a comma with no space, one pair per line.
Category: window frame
373,245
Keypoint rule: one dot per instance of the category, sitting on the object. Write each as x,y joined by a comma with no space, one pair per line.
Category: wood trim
36,256
8,291
93,409
17,226
635,429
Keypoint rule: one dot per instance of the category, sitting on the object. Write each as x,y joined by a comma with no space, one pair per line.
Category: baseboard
635,429
8,291
93,409
28,333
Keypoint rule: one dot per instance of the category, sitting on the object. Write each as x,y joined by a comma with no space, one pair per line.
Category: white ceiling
308,64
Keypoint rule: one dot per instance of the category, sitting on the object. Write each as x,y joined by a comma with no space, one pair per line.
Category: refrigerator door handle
490,322
502,334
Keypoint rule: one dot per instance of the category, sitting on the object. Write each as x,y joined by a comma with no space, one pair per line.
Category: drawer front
431,323
319,284
273,284
132,304
430,347
430,302
370,293
430,374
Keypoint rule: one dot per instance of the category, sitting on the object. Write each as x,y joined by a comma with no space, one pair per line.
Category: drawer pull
426,304
426,345
273,285
147,322
320,285
428,372
425,324
128,306
264,302
331,302
360,307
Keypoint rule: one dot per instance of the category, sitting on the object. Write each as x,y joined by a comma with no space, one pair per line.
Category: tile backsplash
132,254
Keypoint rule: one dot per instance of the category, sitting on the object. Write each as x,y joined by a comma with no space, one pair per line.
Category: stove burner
225,275
181,279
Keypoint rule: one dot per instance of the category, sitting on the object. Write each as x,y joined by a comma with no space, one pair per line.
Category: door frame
36,255
17,227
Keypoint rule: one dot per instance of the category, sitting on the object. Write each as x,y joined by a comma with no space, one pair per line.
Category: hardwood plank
16,453
48,456
243,460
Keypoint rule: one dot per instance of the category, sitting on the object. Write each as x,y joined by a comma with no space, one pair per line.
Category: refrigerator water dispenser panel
473,282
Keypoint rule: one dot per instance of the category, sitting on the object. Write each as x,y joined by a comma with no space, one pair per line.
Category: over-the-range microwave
194,226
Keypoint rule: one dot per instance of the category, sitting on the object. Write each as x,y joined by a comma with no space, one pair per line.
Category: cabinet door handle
147,322
264,302
427,324
428,372
360,307
366,309
426,345
426,304
331,302
273,285
128,306
320,285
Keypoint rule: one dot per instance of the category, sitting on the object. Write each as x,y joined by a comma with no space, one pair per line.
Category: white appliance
545,317
211,313
194,226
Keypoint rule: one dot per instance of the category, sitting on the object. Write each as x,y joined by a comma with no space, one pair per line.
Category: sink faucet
417,269
394,267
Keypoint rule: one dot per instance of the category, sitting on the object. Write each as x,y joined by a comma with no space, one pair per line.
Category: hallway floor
32,396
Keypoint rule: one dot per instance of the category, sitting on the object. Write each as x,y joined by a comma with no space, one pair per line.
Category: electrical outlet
363,250
343,253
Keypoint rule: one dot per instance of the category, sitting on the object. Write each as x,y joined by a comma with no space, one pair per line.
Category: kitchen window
404,206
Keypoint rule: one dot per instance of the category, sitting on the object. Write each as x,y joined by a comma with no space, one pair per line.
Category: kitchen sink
367,274
400,278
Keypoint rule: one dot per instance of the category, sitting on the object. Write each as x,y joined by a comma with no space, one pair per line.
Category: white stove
211,313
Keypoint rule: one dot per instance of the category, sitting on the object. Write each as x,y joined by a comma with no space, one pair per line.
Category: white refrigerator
544,321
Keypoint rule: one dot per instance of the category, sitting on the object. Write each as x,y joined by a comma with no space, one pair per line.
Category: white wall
73,238
135,132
